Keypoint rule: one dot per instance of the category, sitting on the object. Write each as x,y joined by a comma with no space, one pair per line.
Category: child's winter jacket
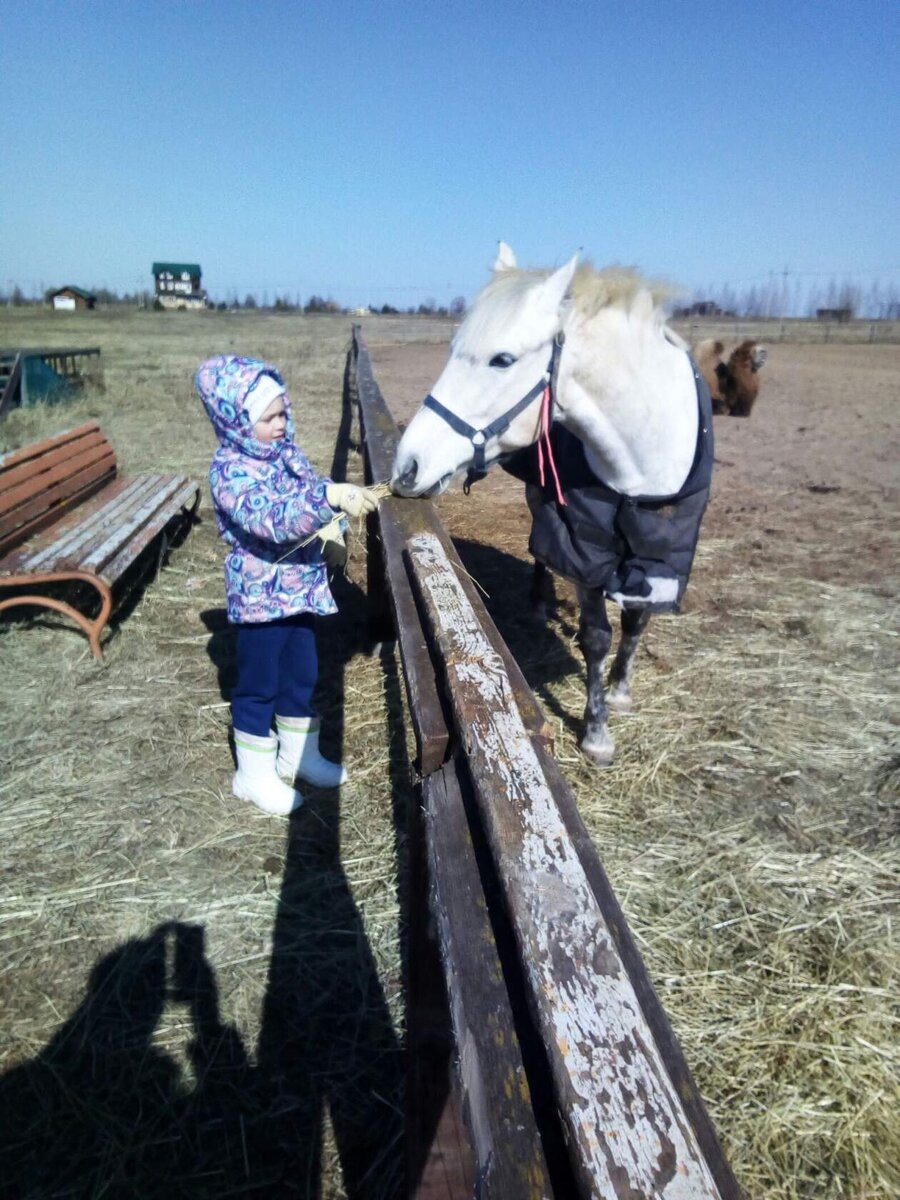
267,498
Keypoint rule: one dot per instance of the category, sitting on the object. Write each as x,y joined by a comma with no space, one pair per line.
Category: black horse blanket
637,549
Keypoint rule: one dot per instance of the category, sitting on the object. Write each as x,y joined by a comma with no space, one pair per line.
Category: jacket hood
224,384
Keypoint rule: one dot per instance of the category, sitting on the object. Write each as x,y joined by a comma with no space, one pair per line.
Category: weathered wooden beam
651,1005
400,519
426,705
629,1133
440,1164
506,1144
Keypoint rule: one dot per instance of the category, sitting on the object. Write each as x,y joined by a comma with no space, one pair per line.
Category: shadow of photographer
103,1109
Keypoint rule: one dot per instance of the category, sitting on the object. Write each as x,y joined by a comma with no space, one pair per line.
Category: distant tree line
784,296
430,308
107,297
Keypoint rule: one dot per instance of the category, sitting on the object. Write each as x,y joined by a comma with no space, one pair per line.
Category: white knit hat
266,390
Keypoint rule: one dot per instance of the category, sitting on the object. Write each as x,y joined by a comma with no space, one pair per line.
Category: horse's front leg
595,635
634,622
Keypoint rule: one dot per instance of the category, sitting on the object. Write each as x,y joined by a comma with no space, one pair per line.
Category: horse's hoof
599,749
619,702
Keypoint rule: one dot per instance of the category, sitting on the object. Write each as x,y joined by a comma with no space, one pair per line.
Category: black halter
479,437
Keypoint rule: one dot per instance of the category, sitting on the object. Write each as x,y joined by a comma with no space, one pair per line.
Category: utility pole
784,292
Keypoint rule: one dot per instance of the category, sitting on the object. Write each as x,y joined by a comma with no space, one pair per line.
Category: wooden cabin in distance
841,315
178,285
69,298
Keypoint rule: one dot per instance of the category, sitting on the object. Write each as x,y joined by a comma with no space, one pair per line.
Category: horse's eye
502,361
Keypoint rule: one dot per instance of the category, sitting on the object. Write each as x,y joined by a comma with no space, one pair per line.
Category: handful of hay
332,530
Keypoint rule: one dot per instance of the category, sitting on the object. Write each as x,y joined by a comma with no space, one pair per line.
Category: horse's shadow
545,650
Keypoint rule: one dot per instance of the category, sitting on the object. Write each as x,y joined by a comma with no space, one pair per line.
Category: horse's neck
630,395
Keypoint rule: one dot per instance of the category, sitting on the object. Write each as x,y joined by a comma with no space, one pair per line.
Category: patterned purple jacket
267,498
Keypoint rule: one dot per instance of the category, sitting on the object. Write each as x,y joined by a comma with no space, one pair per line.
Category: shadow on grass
104,1110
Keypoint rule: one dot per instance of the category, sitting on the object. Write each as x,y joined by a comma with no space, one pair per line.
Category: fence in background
774,329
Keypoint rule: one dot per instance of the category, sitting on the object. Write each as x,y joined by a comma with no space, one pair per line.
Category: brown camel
733,385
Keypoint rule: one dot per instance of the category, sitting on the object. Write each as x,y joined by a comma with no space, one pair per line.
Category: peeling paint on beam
629,1135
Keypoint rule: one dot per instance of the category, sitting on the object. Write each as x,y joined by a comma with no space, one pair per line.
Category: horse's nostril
408,478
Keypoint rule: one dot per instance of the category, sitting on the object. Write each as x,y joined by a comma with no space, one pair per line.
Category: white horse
590,351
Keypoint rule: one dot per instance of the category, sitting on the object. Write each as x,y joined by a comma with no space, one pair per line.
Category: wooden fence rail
567,1075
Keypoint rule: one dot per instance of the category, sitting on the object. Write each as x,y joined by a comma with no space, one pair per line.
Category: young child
267,499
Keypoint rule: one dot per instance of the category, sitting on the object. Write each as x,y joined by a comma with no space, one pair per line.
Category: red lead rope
544,444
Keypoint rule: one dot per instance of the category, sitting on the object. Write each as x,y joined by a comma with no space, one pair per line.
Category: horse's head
499,357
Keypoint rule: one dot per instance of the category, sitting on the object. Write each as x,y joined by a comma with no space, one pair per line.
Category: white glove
353,500
334,549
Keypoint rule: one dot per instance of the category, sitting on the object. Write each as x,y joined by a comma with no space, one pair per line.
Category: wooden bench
67,515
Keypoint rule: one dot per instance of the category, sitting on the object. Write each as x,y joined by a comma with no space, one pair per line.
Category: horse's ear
505,260
554,288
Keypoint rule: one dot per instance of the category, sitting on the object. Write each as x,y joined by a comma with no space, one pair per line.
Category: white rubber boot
299,755
256,778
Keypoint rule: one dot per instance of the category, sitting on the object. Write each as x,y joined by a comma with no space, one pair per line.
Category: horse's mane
615,287
500,303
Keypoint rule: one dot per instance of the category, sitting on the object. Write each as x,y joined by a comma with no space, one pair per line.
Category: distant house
842,315
702,308
178,285
70,298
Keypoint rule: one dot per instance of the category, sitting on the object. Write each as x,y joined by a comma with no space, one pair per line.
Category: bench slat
118,529
40,483
185,498
106,537
92,479
36,449
57,544
43,492
34,468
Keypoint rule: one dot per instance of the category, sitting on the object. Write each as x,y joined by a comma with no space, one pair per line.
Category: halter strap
479,437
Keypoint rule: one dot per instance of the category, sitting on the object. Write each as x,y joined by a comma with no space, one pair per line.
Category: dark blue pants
277,667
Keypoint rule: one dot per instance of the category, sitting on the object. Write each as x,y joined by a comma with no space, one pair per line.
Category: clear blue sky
377,151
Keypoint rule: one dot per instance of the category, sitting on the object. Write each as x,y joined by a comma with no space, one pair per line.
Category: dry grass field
198,1000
